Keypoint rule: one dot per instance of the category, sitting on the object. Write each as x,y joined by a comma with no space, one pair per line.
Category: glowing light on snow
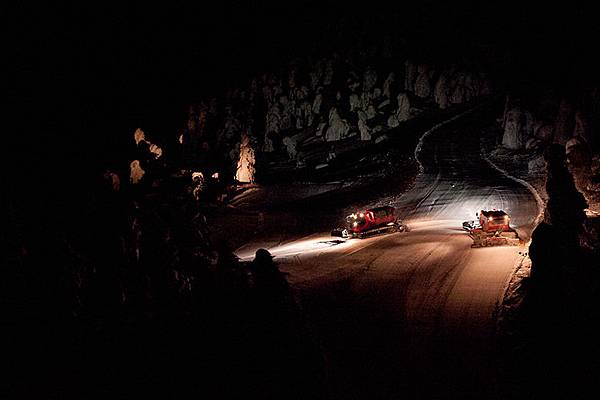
317,243
245,167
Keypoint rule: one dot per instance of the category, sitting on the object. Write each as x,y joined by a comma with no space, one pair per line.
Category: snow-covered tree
245,166
136,173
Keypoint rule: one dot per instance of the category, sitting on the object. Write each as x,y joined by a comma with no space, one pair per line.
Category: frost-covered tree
290,146
136,173
355,103
410,75
338,128
513,129
245,166
363,128
139,136
369,80
316,106
388,85
422,84
441,92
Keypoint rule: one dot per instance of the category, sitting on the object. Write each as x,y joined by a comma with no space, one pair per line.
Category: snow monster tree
245,167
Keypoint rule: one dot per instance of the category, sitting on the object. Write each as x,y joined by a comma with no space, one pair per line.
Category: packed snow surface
435,295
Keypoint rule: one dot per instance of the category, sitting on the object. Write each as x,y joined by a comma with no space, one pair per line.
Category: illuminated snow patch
320,243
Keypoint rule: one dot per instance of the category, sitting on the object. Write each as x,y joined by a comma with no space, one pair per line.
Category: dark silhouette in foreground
559,347
131,299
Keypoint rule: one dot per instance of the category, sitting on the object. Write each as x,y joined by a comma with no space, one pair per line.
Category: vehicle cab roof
494,213
381,208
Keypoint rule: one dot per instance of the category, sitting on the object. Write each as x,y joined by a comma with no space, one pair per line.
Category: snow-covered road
412,314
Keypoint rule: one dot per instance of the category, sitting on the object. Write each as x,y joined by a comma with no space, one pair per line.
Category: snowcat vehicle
492,229
369,222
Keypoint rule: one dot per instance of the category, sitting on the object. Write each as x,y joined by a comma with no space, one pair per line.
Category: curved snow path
412,314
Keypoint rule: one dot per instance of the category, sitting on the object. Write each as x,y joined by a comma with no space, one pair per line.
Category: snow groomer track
411,314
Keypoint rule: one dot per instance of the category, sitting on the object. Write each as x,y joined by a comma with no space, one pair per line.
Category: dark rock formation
565,206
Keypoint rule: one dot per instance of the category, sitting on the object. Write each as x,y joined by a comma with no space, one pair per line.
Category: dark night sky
87,76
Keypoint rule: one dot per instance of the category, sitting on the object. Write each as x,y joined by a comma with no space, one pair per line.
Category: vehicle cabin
495,220
371,218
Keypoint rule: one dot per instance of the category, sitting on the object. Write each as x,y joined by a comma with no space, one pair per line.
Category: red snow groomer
492,229
371,221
